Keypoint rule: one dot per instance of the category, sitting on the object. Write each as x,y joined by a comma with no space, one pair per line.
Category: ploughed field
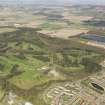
29,61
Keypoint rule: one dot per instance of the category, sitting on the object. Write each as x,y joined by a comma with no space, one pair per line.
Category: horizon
57,2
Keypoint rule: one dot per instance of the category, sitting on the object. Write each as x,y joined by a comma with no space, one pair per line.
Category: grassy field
53,25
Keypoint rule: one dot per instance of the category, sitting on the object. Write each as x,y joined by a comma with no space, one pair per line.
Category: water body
97,38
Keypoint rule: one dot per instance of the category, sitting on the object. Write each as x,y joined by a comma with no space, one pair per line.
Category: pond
97,86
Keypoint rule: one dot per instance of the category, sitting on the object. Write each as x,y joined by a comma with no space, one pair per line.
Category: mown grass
30,76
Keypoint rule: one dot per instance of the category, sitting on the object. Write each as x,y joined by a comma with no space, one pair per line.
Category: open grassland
53,25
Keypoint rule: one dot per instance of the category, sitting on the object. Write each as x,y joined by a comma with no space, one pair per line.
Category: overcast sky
98,2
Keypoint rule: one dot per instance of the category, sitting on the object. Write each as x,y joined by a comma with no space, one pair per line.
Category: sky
96,2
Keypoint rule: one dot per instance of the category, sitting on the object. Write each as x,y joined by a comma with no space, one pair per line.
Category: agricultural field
64,33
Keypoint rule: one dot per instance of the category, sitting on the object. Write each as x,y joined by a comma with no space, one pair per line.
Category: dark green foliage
15,70
1,67
66,62
43,58
20,55
91,65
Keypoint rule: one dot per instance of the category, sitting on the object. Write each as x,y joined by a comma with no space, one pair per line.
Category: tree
91,65
15,69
